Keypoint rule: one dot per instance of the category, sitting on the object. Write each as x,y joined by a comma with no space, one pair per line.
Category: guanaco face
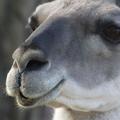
71,59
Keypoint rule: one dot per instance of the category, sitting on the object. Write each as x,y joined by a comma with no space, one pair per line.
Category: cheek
96,47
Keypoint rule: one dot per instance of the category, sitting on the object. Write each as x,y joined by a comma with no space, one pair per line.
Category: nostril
35,65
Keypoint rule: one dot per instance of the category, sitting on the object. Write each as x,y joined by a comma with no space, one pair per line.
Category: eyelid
112,18
101,24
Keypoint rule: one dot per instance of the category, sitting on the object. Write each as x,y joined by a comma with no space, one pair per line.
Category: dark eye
111,32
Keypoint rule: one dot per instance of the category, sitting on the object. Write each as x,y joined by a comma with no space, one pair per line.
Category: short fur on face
82,70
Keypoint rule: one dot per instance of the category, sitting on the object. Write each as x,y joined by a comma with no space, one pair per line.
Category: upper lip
28,68
30,101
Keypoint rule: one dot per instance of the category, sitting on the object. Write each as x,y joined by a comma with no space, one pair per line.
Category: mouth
42,100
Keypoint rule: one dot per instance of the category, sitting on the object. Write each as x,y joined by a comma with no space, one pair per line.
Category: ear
41,13
118,2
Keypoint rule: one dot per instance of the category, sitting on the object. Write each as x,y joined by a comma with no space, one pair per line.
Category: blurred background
13,19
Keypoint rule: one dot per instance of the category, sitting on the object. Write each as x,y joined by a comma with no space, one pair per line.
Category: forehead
89,10
67,2
88,4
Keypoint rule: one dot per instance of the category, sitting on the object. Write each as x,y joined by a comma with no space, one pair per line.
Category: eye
111,32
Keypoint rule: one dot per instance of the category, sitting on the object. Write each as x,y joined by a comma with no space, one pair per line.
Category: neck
67,114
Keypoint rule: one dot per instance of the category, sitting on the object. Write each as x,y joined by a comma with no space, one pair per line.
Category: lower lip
26,102
23,101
